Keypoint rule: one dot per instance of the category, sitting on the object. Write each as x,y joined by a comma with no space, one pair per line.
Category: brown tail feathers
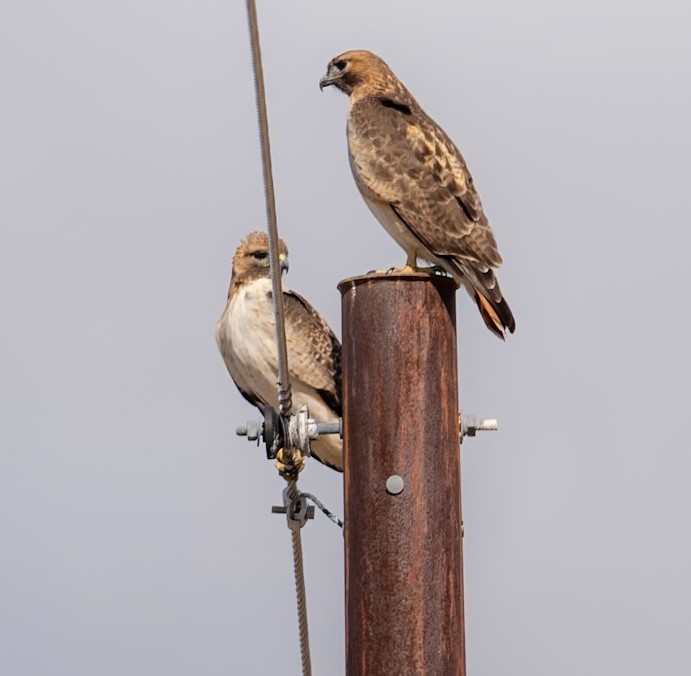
496,315
481,283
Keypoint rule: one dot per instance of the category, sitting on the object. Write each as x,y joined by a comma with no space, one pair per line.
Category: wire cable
284,390
321,506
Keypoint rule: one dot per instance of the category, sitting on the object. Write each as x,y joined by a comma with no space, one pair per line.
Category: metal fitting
316,429
287,432
470,425
298,430
395,485
252,430
297,510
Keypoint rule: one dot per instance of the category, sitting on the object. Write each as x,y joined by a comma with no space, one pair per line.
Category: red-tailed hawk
246,339
416,183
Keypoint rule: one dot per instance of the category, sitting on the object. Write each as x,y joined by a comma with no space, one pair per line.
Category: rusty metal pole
403,550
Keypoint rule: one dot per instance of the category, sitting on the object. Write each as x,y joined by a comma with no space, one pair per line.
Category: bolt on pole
403,542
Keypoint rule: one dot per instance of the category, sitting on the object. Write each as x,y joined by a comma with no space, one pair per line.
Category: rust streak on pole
403,553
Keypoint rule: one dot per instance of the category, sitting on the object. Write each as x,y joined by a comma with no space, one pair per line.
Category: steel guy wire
284,390
320,505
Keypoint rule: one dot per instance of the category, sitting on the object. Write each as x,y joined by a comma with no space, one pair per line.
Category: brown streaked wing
412,164
314,352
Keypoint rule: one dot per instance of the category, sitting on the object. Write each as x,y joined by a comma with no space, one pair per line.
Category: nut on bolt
470,425
252,430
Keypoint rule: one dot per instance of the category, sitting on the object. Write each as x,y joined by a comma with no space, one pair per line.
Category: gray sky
135,534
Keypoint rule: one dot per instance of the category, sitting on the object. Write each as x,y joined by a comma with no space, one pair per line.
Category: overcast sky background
135,534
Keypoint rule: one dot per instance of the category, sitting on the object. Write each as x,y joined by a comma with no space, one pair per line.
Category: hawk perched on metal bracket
416,183
246,339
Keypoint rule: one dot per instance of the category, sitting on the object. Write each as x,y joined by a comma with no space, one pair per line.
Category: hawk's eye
341,64
261,255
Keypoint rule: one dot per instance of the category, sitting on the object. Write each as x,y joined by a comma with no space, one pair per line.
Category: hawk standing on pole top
246,339
416,183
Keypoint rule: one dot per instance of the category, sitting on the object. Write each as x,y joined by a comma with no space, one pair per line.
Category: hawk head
359,69
251,259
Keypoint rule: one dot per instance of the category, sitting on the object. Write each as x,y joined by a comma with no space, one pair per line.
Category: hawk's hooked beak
326,81
284,262
330,78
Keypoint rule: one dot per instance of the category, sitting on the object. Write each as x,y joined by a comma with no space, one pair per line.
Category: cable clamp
297,510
